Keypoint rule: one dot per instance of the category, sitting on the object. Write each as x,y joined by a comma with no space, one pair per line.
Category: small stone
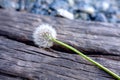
36,7
118,14
47,2
118,20
35,11
65,13
101,17
71,3
28,5
8,4
88,9
84,16
37,4
111,10
102,5
79,4
21,4
52,12
59,4
113,19
84,7
105,6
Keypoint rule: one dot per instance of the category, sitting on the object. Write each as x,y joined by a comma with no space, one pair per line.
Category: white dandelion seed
41,33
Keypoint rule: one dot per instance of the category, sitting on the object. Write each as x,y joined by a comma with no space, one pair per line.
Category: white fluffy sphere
40,38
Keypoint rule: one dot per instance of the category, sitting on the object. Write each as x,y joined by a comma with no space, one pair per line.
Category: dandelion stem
87,58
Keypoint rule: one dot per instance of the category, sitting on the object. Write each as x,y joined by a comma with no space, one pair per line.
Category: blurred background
87,10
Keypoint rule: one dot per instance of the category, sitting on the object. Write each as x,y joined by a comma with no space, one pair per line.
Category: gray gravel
88,10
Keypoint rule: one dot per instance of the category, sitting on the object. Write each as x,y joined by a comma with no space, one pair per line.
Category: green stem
87,58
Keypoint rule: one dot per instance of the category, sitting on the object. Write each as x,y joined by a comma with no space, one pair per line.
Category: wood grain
21,59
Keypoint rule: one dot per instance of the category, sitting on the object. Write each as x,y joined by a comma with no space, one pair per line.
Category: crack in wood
20,57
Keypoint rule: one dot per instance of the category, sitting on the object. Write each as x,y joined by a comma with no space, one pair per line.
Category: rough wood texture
21,59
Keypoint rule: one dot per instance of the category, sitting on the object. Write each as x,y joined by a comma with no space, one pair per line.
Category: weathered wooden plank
33,63
89,37
25,60
9,77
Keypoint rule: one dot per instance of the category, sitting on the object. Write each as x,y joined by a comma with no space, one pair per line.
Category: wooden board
21,59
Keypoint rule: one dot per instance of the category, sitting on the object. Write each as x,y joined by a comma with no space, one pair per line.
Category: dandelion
45,35
40,35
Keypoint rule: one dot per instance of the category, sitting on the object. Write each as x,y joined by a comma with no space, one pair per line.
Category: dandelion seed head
41,33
